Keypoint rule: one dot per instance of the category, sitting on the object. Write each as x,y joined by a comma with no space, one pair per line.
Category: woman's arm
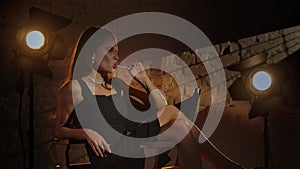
65,107
155,96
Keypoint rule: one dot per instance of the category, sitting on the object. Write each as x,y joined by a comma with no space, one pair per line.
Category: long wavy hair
88,42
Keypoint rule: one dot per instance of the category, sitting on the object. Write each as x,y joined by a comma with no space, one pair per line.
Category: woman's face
110,59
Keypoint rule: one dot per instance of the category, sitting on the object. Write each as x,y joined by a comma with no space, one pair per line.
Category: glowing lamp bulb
261,80
35,40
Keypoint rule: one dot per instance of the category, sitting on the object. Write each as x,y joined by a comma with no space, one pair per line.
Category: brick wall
277,44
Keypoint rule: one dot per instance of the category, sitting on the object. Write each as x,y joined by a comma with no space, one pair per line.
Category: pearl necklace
95,81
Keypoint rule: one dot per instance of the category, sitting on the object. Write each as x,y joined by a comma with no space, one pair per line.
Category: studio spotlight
259,82
249,68
35,40
36,44
32,42
263,87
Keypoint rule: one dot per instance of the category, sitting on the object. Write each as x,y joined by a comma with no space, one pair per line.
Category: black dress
84,116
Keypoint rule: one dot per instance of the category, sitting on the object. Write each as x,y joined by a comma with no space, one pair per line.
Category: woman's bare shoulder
71,88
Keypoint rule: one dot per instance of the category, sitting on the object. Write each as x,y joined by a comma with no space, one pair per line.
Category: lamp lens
35,40
261,80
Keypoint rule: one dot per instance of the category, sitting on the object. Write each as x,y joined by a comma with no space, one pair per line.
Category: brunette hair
88,42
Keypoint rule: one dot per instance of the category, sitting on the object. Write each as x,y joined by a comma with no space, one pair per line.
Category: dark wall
221,21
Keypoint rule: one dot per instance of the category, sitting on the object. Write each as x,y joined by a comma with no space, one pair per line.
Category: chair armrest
77,153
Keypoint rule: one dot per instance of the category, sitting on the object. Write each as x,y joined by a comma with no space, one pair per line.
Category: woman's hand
97,142
137,70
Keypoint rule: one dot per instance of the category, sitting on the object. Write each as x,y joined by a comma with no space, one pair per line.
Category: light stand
247,82
35,60
256,110
263,85
31,121
267,104
19,87
266,141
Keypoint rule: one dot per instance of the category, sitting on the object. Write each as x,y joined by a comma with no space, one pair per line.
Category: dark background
221,21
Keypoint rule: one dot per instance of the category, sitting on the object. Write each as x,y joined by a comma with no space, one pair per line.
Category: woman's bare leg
189,148
188,155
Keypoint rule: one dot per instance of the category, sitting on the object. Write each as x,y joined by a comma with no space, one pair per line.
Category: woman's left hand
137,70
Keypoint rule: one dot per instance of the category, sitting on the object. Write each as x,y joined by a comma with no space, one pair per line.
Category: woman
94,79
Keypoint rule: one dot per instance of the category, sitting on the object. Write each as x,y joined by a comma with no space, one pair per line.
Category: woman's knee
176,129
168,114
172,107
173,111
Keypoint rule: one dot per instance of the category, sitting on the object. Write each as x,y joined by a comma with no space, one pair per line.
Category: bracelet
158,98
